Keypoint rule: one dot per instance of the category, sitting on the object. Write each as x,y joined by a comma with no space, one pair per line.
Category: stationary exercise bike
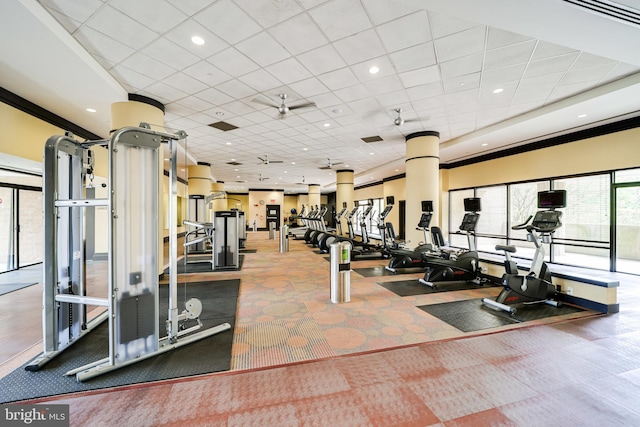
535,287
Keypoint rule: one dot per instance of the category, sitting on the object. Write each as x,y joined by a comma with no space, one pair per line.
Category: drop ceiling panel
120,27
287,33
339,19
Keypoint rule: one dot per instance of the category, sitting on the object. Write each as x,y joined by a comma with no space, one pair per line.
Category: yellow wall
619,150
24,135
258,211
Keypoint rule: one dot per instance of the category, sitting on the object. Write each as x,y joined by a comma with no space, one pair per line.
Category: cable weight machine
133,204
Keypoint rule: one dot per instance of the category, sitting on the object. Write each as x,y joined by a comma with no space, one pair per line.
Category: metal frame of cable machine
133,289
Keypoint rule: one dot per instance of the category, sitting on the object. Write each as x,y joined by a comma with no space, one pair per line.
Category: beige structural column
220,203
200,179
314,195
344,193
131,113
422,172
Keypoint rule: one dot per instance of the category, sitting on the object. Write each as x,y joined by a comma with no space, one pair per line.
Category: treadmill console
425,220
469,221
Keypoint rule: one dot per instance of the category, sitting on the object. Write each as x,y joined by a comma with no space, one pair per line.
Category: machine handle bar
523,225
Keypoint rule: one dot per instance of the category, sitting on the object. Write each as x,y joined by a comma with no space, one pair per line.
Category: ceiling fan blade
266,102
305,105
325,167
276,161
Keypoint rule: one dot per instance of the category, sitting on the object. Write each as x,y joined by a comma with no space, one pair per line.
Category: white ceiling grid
441,70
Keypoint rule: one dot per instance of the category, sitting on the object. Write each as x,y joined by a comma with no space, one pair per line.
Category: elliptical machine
535,287
461,266
403,258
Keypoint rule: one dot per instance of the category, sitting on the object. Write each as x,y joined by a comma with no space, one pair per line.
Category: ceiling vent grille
369,139
610,9
223,126
234,163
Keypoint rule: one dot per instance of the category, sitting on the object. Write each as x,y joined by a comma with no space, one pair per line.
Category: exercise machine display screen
472,204
552,199
427,206
469,221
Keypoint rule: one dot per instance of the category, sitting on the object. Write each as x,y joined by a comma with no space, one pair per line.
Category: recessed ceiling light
228,143
374,70
91,110
371,154
235,170
327,125
397,170
197,40
305,149
293,163
582,116
233,160
498,90
346,166
219,113
485,144
285,172
336,111
461,84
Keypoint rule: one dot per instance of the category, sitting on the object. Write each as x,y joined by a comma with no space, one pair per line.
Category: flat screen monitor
552,199
472,204
344,205
390,200
427,206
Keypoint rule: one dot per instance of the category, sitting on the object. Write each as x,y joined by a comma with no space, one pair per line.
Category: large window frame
588,238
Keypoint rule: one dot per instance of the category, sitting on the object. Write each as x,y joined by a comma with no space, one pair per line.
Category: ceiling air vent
224,126
369,139
234,163
611,9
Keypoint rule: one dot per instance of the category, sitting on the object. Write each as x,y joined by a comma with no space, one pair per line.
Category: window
492,225
456,213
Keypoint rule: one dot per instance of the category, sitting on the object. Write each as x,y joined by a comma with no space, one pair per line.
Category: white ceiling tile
364,105
564,91
269,14
182,33
587,60
99,44
361,70
233,62
488,98
203,119
260,80
325,100
460,83
263,49
312,115
500,38
148,66
461,66
405,32
117,25
228,21
78,11
195,103
360,47
339,79
468,97
322,60
191,7
555,64
424,91
383,11
583,75
622,70
530,90
214,96
170,53
418,56
71,25
178,109
505,74
159,15
443,24
352,93
236,89
338,19
289,71
394,99
507,56
185,83
420,76
489,116
460,44
285,33
131,77
384,85
238,108
309,87
207,73
546,50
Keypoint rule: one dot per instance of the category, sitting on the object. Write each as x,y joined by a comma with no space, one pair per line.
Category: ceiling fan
330,164
265,160
301,183
283,108
399,121
261,178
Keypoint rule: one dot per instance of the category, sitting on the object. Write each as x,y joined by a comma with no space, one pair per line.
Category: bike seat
506,248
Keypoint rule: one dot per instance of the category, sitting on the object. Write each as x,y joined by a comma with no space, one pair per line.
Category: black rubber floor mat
407,288
212,354
248,251
373,272
472,315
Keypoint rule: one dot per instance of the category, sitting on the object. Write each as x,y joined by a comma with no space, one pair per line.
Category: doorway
273,216
402,224
626,257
